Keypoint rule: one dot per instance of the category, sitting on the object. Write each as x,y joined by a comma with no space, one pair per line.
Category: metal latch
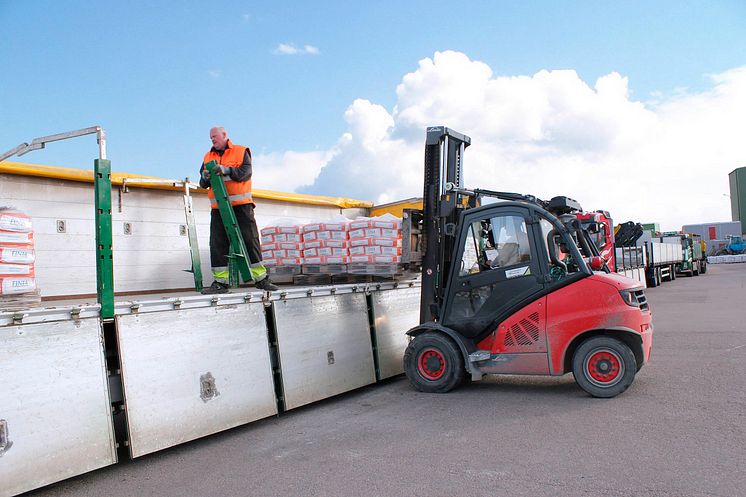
5,443
207,388
479,355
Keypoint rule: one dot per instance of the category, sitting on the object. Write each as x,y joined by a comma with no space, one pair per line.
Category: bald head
218,137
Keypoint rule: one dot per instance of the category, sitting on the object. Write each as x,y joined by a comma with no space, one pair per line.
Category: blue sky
157,75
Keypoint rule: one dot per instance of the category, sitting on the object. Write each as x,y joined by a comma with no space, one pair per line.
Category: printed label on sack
16,269
13,237
383,242
336,226
15,221
377,223
9,286
16,255
360,224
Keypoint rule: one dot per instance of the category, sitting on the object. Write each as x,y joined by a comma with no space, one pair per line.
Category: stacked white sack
17,257
326,243
282,246
376,240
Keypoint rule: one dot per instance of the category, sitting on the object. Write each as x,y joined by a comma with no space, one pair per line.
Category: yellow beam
86,176
396,208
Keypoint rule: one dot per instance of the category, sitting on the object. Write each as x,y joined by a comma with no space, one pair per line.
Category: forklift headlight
629,297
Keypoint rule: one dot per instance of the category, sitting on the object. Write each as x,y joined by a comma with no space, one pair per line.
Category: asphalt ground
680,430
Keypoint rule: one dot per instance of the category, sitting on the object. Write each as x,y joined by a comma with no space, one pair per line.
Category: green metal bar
104,252
193,243
239,256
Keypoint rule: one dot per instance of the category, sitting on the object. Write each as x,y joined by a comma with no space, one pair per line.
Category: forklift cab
506,254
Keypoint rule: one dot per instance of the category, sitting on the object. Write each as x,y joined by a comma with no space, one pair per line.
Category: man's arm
242,172
204,177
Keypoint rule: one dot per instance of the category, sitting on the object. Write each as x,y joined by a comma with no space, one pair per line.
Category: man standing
235,167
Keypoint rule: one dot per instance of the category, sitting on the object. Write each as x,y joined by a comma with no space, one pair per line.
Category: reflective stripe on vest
234,199
239,192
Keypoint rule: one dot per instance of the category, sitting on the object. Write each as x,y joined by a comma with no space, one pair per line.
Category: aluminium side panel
324,346
395,312
193,372
55,412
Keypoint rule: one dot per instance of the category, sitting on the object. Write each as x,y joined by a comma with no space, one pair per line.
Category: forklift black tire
604,366
703,268
433,363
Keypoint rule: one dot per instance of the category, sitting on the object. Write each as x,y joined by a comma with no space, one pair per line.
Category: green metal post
239,256
104,251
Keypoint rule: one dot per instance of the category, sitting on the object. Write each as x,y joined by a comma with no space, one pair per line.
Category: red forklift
515,286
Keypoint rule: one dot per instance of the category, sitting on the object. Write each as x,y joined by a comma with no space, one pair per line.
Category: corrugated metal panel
54,404
396,312
324,347
191,373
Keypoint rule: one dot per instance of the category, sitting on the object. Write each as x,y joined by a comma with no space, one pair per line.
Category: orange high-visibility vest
239,192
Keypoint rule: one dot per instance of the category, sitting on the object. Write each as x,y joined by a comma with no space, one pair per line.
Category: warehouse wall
151,254
737,181
721,231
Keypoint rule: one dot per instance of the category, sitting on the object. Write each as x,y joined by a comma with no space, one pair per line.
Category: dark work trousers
220,245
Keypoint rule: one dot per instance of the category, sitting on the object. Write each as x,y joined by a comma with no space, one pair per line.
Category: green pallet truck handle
238,258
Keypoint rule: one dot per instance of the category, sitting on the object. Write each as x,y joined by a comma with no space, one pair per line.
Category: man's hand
205,174
223,170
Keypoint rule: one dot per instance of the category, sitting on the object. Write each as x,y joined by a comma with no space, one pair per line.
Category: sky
634,107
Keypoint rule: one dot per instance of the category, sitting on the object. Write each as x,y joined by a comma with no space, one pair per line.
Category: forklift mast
444,151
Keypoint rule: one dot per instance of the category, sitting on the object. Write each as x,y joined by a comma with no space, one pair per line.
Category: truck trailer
633,251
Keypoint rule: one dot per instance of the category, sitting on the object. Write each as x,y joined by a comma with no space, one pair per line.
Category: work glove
205,174
223,170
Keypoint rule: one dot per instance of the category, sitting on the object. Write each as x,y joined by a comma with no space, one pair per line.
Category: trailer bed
173,367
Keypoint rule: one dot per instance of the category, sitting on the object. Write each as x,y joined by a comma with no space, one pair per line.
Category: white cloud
215,73
288,171
246,17
548,134
291,49
311,50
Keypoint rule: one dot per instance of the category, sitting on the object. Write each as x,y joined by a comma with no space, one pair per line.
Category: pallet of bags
17,276
282,250
325,247
375,246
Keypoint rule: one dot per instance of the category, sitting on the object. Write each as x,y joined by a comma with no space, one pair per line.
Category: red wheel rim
604,367
431,364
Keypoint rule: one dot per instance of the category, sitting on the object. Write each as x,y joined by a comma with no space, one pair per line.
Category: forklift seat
508,254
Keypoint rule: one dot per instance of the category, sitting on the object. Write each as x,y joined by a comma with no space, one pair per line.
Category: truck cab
600,227
514,287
